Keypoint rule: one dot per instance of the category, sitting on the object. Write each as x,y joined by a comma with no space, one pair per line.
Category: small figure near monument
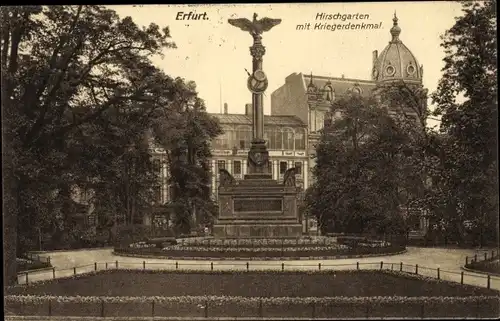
289,177
226,178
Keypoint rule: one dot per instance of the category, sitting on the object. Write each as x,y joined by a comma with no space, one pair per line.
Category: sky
215,54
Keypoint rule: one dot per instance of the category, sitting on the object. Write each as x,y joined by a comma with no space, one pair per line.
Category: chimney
225,108
248,109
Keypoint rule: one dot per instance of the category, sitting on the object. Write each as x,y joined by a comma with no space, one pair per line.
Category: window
237,167
283,167
171,192
300,139
243,137
223,141
319,120
157,167
157,194
276,139
221,165
298,166
288,139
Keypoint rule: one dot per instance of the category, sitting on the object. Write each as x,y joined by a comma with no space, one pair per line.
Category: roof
242,119
339,85
396,61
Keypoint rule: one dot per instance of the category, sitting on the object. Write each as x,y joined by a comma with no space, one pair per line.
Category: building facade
310,97
298,111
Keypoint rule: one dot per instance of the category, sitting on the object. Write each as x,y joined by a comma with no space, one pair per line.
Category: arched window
275,139
328,93
224,140
300,139
243,137
288,138
267,136
320,120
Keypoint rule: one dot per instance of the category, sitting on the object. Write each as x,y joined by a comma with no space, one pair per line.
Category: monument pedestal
257,207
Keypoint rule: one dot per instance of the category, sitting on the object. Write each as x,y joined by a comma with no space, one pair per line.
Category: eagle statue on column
255,27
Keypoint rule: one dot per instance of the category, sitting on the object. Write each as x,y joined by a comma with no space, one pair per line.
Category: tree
468,131
63,69
362,169
188,154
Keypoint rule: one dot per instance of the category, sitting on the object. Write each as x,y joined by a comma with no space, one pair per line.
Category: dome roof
396,62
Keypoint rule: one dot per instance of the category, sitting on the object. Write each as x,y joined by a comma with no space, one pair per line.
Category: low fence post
206,309
106,265
489,281
53,272
392,266
211,266
462,277
401,267
319,266
153,308
176,265
416,269
357,265
116,264
143,265
26,277
466,260
95,266
439,276
248,266
74,270
102,308
282,266
381,265
48,259
475,257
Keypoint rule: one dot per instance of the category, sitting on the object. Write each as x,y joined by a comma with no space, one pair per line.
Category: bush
352,241
161,242
127,234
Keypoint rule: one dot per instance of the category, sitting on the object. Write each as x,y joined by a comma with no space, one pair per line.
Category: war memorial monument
257,206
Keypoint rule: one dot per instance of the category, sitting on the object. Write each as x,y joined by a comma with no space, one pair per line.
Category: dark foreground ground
254,284
250,284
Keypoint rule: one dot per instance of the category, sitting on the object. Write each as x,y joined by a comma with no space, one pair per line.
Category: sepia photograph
279,161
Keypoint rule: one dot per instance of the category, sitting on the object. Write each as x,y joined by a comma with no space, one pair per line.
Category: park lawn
250,284
254,284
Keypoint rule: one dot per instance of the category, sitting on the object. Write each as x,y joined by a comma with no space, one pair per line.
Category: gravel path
449,261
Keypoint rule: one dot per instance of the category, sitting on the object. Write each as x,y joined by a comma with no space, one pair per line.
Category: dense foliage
80,97
371,164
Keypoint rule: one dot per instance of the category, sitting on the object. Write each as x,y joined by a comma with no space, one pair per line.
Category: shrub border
228,258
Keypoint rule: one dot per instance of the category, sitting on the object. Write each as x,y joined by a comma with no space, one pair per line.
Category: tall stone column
258,156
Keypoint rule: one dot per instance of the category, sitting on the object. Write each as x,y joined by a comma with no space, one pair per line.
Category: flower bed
255,293
488,266
28,264
259,248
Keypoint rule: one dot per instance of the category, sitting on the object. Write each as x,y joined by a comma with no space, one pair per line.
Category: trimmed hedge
442,298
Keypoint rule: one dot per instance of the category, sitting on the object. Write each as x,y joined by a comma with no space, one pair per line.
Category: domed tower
396,62
396,65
